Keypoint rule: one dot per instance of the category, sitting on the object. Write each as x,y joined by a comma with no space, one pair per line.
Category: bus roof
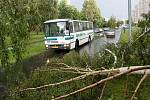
56,20
61,20
80,21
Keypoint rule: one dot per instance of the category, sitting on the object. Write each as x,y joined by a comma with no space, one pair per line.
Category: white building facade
141,8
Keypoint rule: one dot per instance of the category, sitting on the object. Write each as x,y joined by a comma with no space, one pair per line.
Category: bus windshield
55,29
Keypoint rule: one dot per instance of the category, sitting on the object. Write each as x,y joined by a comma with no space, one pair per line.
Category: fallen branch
101,72
123,69
115,57
138,86
102,81
62,70
104,72
74,68
141,36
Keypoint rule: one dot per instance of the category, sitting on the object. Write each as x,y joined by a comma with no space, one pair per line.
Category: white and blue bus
67,34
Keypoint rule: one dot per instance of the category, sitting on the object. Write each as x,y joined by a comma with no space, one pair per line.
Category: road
99,43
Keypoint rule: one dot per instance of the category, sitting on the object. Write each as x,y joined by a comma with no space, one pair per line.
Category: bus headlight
66,45
46,46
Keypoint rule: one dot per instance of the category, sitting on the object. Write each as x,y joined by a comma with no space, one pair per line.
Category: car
126,26
110,34
96,30
101,30
116,27
106,29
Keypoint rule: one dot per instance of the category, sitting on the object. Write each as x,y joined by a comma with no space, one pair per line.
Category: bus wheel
77,45
89,40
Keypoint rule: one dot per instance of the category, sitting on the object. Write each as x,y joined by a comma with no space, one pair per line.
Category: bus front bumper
58,46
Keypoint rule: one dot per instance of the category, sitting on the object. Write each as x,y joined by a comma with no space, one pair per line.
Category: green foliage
124,36
119,23
126,21
68,11
115,89
139,52
44,76
91,12
102,59
34,49
112,22
121,88
145,22
74,59
17,19
40,11
127,55
14,24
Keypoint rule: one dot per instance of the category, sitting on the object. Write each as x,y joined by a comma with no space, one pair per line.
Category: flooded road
99,43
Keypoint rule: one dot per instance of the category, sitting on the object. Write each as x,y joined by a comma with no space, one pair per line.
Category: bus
67,34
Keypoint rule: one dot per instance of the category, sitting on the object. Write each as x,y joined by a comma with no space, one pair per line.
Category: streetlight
130,20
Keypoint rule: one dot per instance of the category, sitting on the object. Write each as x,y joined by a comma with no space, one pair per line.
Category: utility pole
130,20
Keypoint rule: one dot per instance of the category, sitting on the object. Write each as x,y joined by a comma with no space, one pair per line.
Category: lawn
35,46
125,36
34,37
34,49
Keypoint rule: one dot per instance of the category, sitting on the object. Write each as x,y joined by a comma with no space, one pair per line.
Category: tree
68,12
91,12
77,15
145,22
17,19
119,23
40,11
126,21
112,22
14,25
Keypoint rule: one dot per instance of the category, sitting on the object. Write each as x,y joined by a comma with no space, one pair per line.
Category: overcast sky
117,8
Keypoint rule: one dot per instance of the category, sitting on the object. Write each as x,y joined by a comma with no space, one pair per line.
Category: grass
116,89
35,46
34,49
34,37
124,38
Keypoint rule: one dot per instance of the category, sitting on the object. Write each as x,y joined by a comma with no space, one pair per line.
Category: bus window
55,29
47,30
91,26
71,27
81,26
84,26
76,26
87,24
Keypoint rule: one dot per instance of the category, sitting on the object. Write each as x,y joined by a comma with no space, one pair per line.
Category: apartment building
141,8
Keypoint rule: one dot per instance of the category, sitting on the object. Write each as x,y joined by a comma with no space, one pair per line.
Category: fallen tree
112,72
129,70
